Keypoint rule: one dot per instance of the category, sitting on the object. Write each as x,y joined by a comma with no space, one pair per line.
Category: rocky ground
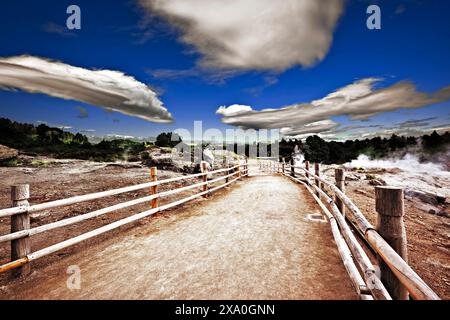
212,248
427,214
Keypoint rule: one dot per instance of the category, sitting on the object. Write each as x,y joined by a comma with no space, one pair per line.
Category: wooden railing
21,232
398,280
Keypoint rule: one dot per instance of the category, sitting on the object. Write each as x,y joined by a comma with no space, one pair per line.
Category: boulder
7,153
377,182
222,157
425,197
433,210
167,161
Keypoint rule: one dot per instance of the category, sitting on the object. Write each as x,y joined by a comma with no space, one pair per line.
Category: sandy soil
262,247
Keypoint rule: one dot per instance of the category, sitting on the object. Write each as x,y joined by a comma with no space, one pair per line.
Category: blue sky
412,46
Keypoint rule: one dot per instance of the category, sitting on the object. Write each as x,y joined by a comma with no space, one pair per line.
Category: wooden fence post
339,175
292,168
317,172
307,169
227,172
204,170
239,170
246,166
390,225
154,189
21,247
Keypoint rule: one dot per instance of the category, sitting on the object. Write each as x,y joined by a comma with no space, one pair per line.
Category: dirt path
254,241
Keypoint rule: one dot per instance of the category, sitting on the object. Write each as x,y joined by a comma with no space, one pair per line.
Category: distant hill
54,142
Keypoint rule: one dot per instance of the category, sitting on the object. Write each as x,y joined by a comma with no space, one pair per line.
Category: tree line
316,149
45,140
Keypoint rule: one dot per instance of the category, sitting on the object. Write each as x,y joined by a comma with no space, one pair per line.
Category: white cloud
253,34
348,93
112,90
315,127
64,127
119,136
233,110
51,27
359,100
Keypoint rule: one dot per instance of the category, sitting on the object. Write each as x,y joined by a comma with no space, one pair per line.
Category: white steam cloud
409,163
426,177
112,90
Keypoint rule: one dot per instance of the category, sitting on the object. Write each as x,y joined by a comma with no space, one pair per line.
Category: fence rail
21,254
396,275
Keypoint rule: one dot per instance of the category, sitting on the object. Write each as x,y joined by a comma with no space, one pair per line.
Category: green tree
317,150
168,140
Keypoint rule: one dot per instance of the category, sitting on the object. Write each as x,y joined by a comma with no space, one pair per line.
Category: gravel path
253,241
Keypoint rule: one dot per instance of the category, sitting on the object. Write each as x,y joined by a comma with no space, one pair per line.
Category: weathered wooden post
246,166
227,179
154,189
317,172
239,169
20,248
204,170
292,168
390,225
307,169
339,175
282,165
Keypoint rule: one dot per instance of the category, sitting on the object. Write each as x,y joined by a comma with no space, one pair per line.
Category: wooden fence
21,232
397,279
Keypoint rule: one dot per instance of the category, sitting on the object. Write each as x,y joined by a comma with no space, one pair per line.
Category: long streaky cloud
315,127
359,101
253,34
111,90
